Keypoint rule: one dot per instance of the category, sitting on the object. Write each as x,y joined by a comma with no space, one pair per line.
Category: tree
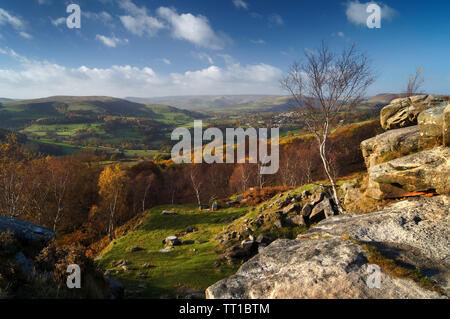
17,184
59,180
196,181
113,184
325,85
415,83
145,182
242,177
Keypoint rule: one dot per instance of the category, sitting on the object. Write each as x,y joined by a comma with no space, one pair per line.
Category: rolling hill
244,103
100,123
61,105
203,102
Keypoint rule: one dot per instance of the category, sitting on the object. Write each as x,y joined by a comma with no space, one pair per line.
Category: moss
391,267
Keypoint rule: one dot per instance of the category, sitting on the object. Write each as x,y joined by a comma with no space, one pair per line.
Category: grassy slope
187,267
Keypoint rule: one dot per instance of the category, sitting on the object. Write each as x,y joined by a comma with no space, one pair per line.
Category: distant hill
384,98
60,105
205,102
5,100
245,103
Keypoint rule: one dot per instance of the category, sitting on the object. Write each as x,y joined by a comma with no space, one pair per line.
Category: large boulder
390,145
325,263
322,210
424,171
403,112
24,230
431,123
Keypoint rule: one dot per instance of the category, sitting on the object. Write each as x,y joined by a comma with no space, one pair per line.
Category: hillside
63,125
245,103
203,102
62,105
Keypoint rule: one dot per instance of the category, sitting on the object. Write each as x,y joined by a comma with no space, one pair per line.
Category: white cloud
203,56
166,61
111,42
195,29
138,22
276,19
357,14
41,2
18,24
25,35
33,79
341,34
7,18
57,22
240,4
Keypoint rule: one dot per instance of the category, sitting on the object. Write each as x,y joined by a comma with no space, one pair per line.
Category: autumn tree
323,86
58,180
243,177
17,185
113,183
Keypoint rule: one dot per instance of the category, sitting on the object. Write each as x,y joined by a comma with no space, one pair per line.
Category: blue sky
189,47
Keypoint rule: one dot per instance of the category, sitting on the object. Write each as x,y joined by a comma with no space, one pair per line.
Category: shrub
258,195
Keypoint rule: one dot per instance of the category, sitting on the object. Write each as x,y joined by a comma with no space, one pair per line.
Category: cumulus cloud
185,26
195,29
357,14
111,42
138,21
240,4
32,78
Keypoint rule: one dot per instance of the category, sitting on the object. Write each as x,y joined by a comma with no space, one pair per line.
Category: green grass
190,267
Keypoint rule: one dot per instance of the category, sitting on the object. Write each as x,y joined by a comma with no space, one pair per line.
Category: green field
190,267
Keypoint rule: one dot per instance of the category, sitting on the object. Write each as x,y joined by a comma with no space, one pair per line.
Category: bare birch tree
325,85
196,182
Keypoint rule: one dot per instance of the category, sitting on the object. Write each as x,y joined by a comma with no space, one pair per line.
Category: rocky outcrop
24,230
432,128
390,145
413,158
424,171
324,263
403,112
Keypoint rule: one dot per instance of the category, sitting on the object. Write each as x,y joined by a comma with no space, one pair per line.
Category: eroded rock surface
322,264
403,112
432,128
390,145
423,171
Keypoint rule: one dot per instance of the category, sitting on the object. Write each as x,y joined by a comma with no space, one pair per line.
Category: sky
210,47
